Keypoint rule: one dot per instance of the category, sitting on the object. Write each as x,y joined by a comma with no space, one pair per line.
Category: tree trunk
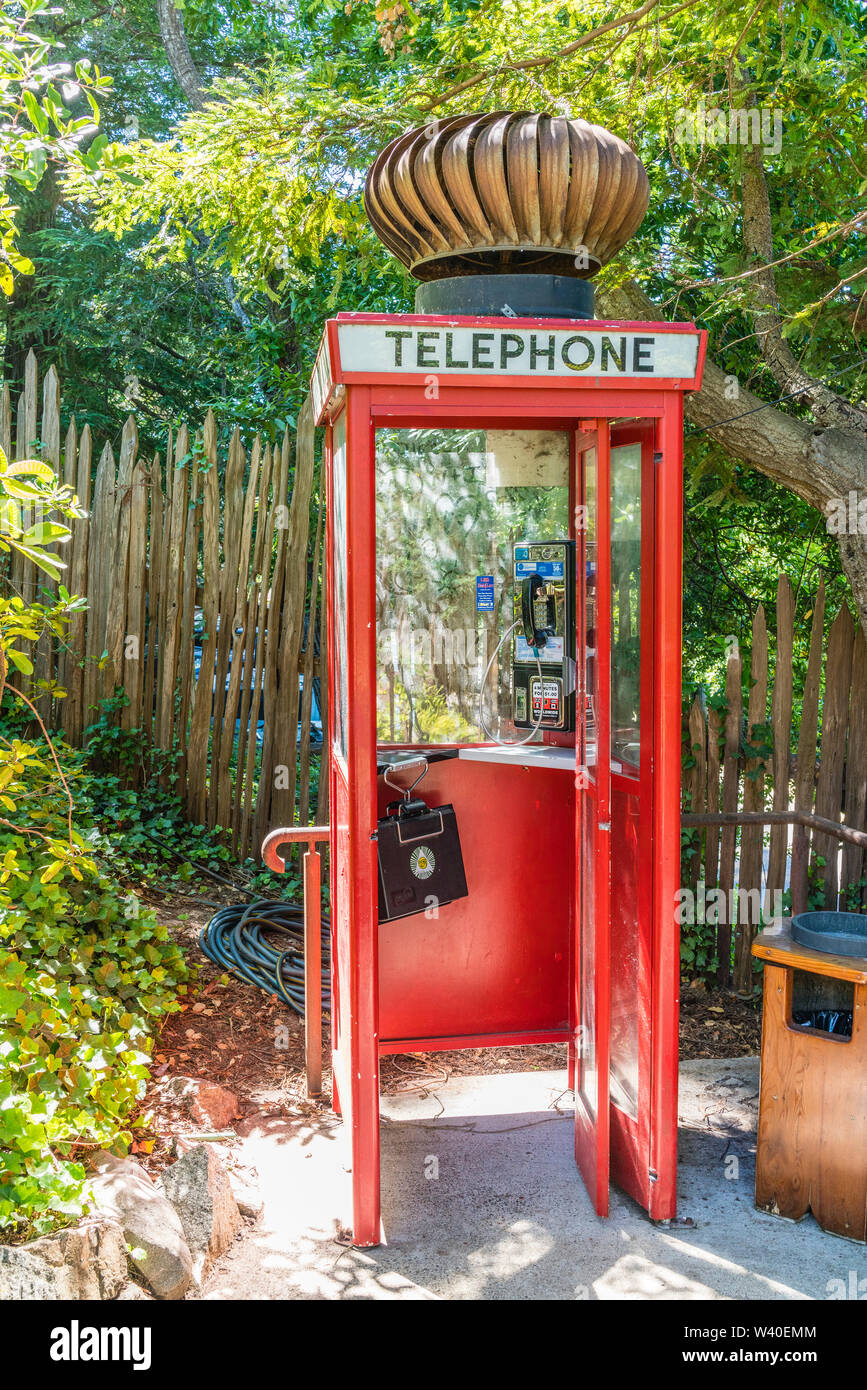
174,38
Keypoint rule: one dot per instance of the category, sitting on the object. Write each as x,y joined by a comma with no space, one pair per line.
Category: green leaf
35,112
21,662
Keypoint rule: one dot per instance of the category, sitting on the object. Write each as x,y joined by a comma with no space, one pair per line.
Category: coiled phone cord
503,742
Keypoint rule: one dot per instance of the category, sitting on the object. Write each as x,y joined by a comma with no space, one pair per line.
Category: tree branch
545,60
847,833
820,465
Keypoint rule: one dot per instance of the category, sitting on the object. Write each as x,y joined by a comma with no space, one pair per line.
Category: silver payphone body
543,651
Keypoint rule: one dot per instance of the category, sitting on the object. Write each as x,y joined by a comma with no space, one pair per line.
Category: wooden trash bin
812,1142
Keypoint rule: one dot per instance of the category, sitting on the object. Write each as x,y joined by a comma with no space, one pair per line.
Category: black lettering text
450,360
577,338
642,349
398,334
546,352
424,349
481,343
511,345
609,350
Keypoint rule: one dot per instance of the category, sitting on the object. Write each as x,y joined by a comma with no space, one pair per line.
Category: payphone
502,452
543,653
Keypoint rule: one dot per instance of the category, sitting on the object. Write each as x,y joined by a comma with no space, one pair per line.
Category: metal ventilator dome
506,192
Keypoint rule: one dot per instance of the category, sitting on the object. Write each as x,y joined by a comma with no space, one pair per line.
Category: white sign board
578,351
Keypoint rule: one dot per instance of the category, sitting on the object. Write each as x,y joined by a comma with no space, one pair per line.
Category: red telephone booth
463,455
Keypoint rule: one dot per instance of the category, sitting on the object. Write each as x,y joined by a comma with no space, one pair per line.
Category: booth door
631,610
353,852
613,1010
590,1039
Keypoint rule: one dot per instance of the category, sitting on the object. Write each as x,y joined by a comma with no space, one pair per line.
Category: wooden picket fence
176,554
204,549
739,757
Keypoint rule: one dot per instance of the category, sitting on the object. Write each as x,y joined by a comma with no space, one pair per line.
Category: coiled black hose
237,937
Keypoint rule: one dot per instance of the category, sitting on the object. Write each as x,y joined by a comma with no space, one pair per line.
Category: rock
180,1087
214,1105
25,1276
151,1226
86,1261
249,1198
199,1189
132,1291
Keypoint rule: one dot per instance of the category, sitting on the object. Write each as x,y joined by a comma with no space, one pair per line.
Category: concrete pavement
482,1200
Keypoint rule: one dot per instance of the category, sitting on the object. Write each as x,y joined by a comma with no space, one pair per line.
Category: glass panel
587,531
338,511
449,505
625,608
626,1002
629,1007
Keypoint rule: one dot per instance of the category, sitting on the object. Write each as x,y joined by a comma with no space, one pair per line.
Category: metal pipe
311,835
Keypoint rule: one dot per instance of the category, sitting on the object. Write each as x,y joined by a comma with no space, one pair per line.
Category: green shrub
85,974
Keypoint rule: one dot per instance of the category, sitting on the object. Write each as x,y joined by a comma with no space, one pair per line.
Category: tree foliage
37,126
202,255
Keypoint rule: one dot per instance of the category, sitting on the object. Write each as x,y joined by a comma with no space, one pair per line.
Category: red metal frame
375,400
666,809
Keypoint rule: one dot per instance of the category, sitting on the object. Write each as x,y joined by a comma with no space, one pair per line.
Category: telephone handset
538,612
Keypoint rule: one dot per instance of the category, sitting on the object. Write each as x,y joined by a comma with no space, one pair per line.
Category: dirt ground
232,1034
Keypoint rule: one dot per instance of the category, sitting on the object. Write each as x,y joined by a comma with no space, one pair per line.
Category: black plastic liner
836,1021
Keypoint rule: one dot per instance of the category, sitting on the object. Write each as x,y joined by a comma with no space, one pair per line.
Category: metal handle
406,792
426,836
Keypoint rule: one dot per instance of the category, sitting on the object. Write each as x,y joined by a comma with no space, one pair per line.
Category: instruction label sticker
484,593
546,569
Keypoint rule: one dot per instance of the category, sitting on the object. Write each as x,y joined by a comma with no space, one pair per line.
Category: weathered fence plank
73,705
262,812
752,837
307,667
203,698
835,716
97,566
855,804
155,541
239,623
233,507
698,778
257,589
134,625
714,736
292,618
173,555
117,577
781,728
731,782
805,775
186,656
